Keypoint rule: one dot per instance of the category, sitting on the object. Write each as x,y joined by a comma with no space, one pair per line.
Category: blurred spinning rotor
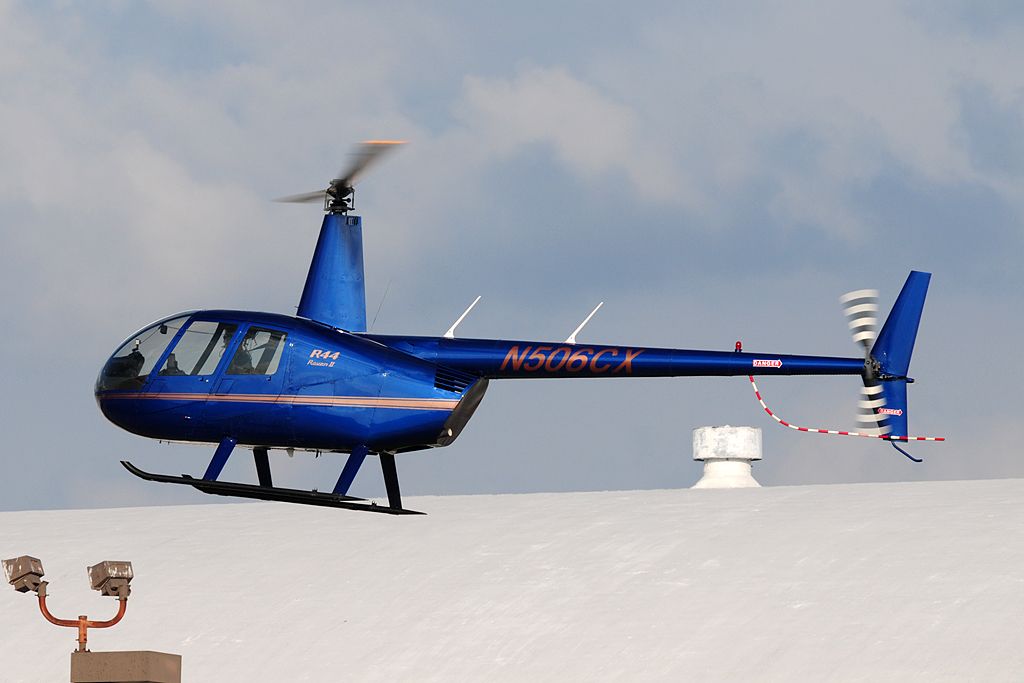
338,196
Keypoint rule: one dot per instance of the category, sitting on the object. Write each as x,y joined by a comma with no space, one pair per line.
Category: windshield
200,349
129,367
259,353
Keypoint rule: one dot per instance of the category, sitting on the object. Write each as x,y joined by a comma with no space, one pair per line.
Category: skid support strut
220,458
262,466
352,465
390,472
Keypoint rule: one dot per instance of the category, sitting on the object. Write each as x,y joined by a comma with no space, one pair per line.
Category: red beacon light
739,346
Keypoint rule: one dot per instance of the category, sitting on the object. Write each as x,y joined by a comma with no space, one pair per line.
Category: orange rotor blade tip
384,142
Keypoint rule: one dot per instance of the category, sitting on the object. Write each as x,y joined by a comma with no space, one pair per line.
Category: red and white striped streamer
885,437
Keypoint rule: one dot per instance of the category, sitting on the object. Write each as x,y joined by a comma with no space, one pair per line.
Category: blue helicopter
318,381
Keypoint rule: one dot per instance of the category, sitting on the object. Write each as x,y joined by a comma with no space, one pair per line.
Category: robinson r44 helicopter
318,381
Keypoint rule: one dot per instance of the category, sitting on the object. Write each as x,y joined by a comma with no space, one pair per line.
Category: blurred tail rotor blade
317,196
869,420
861,310
366,153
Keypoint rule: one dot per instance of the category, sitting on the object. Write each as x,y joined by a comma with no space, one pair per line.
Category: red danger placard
767,363
890,411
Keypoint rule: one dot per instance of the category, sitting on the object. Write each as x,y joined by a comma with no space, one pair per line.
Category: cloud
994,18
992,130
588,130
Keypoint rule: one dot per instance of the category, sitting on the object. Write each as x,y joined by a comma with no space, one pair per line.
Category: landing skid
258,492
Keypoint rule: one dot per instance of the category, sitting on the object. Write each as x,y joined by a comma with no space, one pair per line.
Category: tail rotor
869,420
883,402
861,310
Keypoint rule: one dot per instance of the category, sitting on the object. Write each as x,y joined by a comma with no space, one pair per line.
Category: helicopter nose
123,372
129,367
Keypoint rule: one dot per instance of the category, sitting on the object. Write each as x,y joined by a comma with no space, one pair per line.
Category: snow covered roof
916,581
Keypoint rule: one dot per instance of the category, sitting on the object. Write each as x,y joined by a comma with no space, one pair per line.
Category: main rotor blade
365,154
304,197
340,189
861,309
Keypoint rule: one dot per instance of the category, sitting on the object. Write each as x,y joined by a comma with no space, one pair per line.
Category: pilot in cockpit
134,361
171,367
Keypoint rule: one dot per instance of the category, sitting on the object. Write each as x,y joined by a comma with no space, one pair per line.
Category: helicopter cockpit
130,366
197,352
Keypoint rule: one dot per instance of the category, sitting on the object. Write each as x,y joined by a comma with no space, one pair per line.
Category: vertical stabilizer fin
892,350
895,343
894,414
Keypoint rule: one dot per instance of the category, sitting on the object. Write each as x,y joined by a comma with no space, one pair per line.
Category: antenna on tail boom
450,334
572,337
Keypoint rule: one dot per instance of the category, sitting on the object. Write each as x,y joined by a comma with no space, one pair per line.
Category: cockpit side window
131,364
259,353
200,349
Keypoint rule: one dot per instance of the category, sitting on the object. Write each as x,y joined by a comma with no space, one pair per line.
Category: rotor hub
339,197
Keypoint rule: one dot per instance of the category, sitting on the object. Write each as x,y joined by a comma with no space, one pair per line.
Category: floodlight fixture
25,573
111,578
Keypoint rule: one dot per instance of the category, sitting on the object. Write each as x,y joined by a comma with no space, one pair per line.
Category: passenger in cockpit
241,364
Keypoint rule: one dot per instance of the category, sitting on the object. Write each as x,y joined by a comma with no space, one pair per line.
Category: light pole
25,574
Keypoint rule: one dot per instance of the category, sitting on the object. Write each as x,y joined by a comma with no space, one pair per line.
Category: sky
711,171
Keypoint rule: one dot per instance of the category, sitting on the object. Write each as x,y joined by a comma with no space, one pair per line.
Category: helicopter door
245,402
334,387
184,380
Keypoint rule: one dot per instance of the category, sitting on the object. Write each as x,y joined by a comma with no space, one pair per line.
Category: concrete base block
125,667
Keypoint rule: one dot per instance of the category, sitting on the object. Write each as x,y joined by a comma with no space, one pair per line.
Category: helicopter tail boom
506,359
